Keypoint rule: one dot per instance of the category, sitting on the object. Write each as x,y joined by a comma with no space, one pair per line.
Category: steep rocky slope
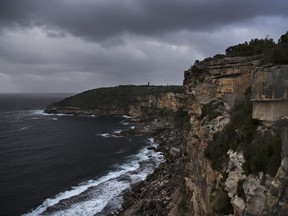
225,139
236,175
230,189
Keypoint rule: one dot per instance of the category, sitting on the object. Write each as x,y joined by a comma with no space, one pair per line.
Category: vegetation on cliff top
254,47
119,97
267,49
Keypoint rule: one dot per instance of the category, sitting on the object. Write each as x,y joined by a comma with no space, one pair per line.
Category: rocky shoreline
163,190
159,193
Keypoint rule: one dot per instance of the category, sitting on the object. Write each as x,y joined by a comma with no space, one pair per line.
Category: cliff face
212,88
121,100
167,101
222,83
188,183
226,79
270,92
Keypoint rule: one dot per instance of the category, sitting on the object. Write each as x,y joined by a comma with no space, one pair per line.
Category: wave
126,116
117,131
42,113
24,128
151,140
109,135
91,197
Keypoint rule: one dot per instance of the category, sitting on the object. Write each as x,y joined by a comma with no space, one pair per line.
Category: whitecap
126,116
117,131
24,128
91,197
42,113
106,135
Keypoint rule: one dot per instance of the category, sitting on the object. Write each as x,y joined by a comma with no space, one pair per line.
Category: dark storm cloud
74,45
101,19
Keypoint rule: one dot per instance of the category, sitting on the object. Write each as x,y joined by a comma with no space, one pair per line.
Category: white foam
79,189
151,140
106,135
96,204
24,128
117,131
108,187
126,116
41,112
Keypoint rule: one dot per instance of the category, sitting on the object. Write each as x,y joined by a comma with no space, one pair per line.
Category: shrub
240,191
262,152
209,111
182,119
220,203
254,47
266,155
241,120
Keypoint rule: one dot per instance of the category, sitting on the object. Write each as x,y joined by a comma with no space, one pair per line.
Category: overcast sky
75,45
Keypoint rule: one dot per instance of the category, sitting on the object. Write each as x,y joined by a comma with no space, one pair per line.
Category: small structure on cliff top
270,92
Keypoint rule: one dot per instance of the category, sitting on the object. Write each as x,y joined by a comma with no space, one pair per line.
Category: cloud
74,45
102,19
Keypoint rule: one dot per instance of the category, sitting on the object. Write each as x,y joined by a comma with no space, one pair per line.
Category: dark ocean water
65,165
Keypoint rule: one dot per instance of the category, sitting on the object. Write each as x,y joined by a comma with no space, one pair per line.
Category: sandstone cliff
220,161
270,92
221,83
121,100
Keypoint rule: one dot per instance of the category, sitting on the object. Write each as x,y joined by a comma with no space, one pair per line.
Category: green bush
209,111
182,119
279,53
254,47
241,120
266,154
220,202
262,152
240,191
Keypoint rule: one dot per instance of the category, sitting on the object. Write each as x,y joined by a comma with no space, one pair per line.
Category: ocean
66,165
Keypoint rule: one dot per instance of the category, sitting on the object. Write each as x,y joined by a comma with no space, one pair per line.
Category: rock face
212,87
186,184
225,79
270,92
167,101
277,195
235,174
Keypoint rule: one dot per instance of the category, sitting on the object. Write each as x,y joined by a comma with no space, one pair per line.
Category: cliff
121,100
224,78
225,138
229,163
241,182
270,92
